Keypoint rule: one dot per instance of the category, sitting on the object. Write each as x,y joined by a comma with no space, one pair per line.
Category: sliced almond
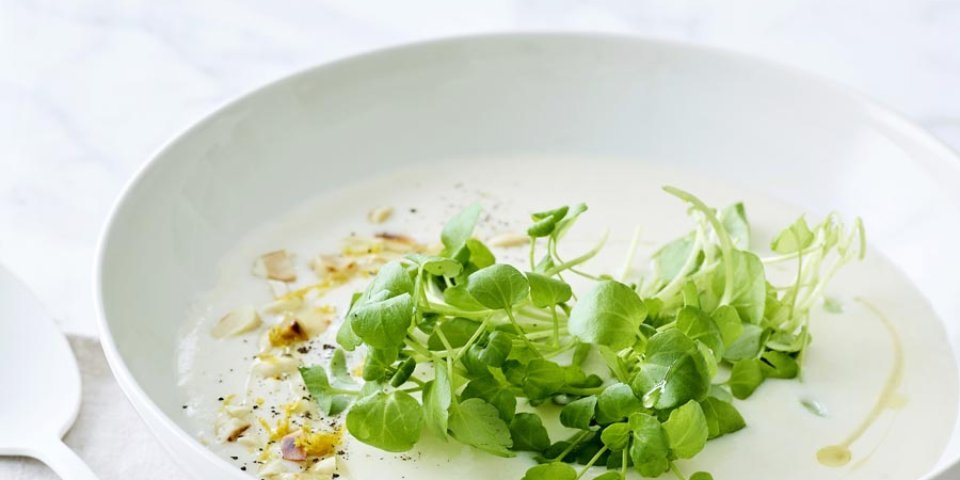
272,366
284,305
327,466
288,332
506,240
278,289
315,320
380,215
237,322
276,266
232,429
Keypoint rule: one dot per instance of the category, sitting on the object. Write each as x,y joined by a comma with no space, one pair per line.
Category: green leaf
609,314
328,400
672,257
686,430
722,417
794,238
729,323
778,365
528,433
499,286
542,379
615,403
546,222
734,220
383,324
490,390
403,373
377,361
551,471
392,280
437,395
700,327
441,266
747,345
477,423
745,377
616,436
459,229
701,476
547,291
457,331
649,449
750,285
388,421
459,297
480,255
674,371
491,350
338,367
579,413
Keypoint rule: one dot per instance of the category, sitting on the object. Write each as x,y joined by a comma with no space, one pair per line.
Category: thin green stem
573,444
472,340
582,258
676,471
593,460
556,326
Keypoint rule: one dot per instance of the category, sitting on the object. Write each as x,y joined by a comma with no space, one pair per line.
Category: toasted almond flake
280,290
506,240
288,332
283,305
327,466
315,320
232,429
237,322
380,215
271,366
276,265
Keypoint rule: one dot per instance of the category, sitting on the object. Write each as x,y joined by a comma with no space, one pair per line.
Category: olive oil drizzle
890,398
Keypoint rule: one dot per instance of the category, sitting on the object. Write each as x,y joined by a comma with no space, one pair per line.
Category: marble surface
89,88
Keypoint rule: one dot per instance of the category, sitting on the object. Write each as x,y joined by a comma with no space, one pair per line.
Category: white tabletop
89,88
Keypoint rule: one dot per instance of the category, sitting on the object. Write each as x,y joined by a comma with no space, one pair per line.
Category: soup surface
879,384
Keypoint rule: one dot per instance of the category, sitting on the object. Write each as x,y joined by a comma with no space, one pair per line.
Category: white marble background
89,88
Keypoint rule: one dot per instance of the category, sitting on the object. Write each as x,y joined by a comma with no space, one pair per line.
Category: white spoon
41,383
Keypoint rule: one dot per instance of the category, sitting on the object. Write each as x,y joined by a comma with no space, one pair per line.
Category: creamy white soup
877,399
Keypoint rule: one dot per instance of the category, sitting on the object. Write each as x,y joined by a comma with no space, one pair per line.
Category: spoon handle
61,459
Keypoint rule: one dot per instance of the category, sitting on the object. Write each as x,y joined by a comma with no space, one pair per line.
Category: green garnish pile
632,369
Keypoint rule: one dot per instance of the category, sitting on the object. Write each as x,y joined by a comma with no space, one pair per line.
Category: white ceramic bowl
798,138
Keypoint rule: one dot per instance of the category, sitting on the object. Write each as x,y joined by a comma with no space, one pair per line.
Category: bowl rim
940,152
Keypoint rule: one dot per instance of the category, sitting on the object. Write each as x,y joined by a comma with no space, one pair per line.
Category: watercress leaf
457,331
747,345
442,267
614,361
670,259
403,373
315,379
749,292
691,295
686,430
528,433
609,314
383,323
697,325
722,417
546,222
729,323
542,379
459,297
616,436
377,361
490,390
459,229
786,341
745,377
437,395
499,286
346,337
721,393
551,471
478,424
338,368
579,413
649,449
392,280
673,372
547,291
571,217
794,238
734,220
615,403
492,349
701,476
778,365
389,421
480,255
